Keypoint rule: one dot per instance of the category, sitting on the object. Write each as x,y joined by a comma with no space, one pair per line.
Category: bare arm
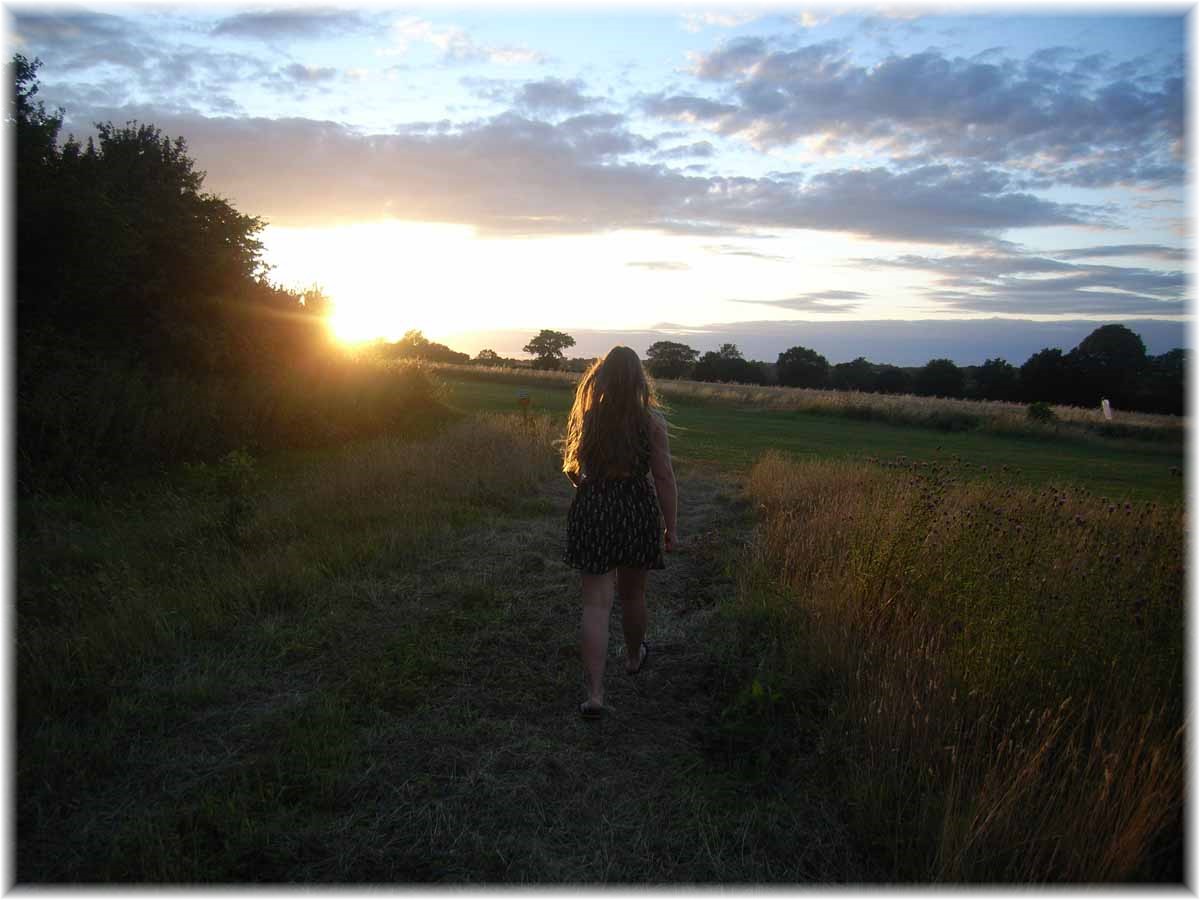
664,477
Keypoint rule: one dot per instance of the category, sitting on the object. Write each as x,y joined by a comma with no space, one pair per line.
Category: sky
679,172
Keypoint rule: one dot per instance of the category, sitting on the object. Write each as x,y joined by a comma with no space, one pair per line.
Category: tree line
1110,363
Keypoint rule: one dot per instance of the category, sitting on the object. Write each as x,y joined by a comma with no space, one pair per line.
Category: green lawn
733,438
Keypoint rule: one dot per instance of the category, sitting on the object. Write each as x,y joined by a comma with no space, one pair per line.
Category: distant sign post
523,401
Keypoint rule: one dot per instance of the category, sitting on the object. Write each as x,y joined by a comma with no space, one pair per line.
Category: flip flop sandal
592,713
645,655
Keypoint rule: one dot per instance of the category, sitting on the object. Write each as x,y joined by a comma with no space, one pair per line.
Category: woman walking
623,514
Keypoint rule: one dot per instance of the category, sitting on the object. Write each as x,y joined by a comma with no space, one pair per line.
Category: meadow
731,437
882,653
946,414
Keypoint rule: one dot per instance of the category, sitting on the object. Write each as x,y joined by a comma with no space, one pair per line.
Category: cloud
456,45
1038,285
698,149
82,50
554,95
938,204
512,174
69,29
809,19
733,250
694,22
1061,116
660,266
1157,251
817,301
308,74
309,23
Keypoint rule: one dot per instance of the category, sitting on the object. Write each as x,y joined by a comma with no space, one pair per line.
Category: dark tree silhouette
120,252
487,356
939,378
1047,376
668,359
892,380
802,367
548,347
997,379
856,375
1162,387
728,364
1108,363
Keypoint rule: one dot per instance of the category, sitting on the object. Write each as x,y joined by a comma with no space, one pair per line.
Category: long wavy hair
613,403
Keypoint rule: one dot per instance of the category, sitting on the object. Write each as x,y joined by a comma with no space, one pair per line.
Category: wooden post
523,400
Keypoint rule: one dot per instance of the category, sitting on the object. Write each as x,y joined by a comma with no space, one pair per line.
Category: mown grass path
420,724
515,786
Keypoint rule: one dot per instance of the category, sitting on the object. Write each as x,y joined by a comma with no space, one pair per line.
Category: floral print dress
616,521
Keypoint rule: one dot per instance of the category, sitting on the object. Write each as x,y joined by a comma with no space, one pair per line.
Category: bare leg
631,583
597,604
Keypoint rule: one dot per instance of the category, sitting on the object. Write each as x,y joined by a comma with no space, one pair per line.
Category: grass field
732,439
360,665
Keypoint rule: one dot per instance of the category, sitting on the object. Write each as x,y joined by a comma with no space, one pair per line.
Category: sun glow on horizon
387,278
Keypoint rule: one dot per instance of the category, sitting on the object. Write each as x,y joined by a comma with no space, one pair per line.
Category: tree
802,367
488,357
1047,376
892,380
414,345
939,378
857,375
1114,346
1162,385
1108,363
548,347
727,364
997,379
121,253
668,359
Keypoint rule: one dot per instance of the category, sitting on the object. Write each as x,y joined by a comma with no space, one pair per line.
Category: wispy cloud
816,301
660,266
1039,285
1155,251
456,44
697,21
695,150
734,250
305,23
302,73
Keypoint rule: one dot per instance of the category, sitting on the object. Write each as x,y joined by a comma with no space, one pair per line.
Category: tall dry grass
1010,665
105,579
944,413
